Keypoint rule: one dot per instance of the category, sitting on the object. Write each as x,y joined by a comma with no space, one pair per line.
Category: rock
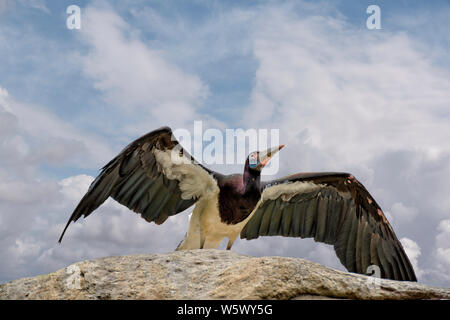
209,274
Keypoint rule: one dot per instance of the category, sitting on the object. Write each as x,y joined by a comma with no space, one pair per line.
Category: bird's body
156,177
237,198
223,212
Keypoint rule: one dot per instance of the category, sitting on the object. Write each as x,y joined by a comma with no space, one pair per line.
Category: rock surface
209,274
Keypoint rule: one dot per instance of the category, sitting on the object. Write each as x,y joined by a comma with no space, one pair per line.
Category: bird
157,178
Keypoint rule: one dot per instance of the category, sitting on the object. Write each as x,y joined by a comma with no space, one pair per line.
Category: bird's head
258,159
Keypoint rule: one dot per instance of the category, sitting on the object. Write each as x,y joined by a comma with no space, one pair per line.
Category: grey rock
210,274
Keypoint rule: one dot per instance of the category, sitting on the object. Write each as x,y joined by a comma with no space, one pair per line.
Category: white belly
206,226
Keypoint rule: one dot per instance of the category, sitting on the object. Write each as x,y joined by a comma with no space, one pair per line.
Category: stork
155,177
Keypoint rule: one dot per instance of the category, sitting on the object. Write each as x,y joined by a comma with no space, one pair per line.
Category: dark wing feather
134,179
338,211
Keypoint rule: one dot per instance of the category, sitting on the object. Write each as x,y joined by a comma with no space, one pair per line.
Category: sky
372,102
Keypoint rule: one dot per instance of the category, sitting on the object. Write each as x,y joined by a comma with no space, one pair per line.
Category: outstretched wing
153,176
336,209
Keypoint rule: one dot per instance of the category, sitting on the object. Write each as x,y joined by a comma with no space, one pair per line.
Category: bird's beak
265,156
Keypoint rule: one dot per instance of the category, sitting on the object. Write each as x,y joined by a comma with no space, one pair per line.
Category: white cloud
34,4
443,258
30,137
401,214
443,238
350,92
75,187
111,230
413,252
200,44
325,254
26,248
33,135
134,77
435,271
443,246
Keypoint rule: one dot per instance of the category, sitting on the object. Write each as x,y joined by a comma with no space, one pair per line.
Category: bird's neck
251,180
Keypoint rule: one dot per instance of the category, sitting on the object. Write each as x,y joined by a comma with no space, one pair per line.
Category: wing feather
298,219
365,245
310,217
153,176
286,220
265,222
321,215
275,219
350,252
333,208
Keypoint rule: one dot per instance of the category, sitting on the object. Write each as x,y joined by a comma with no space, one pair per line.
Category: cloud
30,203
34,210
435,268
32,135
345,86
6,5
134,77
111,230
199,45
401,214
413,251
443,246
325,255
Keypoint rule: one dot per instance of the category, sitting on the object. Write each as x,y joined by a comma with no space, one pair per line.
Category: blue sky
372,102
41,57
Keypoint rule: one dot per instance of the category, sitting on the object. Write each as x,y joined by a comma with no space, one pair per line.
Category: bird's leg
181,244
202,240
212,242
231,241
202,234
193,239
